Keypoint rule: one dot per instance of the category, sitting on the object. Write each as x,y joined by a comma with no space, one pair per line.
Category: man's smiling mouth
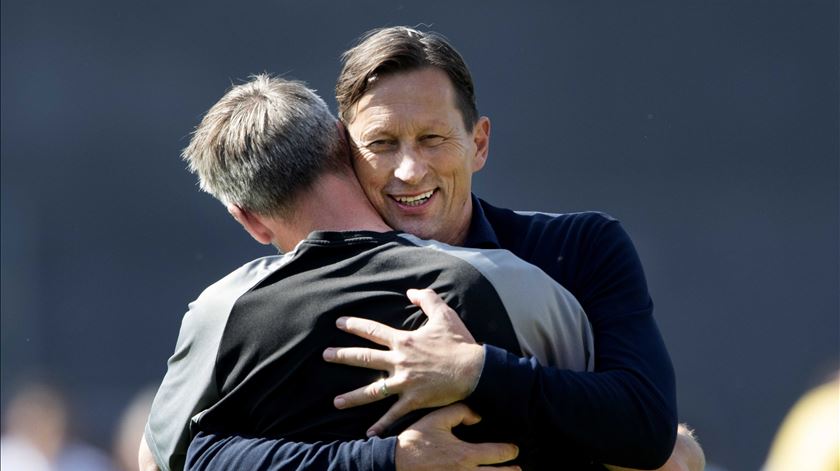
415,200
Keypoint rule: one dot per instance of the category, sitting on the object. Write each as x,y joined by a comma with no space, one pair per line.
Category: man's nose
411,167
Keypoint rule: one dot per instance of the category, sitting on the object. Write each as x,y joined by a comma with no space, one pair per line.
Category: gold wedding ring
383,389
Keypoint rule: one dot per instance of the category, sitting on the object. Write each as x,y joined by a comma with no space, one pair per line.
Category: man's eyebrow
441,126
432,126
374,131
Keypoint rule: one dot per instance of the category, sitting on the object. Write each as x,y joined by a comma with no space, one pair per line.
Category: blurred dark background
710,128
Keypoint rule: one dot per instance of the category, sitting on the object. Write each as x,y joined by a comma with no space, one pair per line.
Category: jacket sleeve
189,386
213,451
186,389
623,413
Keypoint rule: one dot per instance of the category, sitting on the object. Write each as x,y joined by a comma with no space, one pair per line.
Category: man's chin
420,230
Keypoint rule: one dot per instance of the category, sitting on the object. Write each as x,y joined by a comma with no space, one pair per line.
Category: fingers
399,409
366,394
450,416
368,329
492,453
439,312
363,357
427,300
444,418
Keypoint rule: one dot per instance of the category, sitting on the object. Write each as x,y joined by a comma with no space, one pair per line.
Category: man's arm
425,373
624,412
426,445
189,384
445,327
186,389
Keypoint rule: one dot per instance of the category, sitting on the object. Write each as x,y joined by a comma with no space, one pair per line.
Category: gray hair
264,143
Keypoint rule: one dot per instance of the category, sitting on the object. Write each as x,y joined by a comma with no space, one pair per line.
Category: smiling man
408,101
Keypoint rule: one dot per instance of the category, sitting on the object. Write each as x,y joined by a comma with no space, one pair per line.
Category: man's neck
334,203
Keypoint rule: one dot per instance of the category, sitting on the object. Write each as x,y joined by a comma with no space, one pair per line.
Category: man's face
415,159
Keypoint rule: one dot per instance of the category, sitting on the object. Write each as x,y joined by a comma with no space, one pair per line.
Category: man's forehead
426,85
423,98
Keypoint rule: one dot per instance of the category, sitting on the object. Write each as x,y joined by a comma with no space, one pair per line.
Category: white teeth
415,200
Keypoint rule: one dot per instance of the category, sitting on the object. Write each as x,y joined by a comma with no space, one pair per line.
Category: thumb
429,301
492,453
450,416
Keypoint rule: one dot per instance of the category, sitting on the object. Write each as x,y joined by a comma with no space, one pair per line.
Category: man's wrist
475,367
500,370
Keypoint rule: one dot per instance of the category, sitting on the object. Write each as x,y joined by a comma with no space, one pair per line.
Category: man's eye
431,140
381,145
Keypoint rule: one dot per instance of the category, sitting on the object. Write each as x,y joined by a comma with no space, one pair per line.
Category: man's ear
481,138
342,129
347,143
252,223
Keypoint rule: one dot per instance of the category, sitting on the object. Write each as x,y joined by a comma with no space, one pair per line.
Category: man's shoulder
514,228
472,255
580,216
544,218
207,315
240,280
